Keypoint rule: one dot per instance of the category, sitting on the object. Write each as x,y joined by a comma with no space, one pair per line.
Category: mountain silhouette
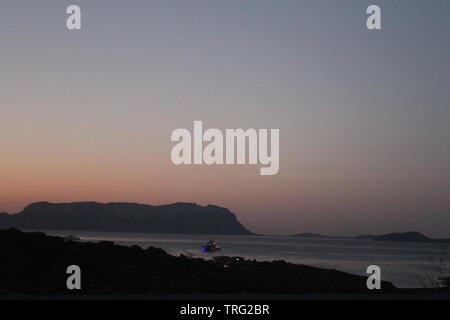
126,217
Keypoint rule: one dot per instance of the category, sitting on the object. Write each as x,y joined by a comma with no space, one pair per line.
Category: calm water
404,264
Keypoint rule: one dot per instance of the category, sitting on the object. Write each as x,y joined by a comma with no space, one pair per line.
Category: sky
364,115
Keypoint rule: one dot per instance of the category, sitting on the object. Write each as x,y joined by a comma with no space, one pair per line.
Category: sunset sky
364,116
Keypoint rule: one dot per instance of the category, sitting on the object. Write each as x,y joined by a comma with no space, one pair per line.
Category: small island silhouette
411,236
180,217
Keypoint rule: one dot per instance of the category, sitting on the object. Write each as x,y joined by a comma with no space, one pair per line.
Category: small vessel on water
71,237
211,246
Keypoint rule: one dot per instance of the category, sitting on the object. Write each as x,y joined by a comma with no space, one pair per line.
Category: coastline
111,269
402,263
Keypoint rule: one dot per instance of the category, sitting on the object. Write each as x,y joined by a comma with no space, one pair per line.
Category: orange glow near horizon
364,137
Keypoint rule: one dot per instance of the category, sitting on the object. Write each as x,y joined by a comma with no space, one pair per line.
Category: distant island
126,217
180,217
412,236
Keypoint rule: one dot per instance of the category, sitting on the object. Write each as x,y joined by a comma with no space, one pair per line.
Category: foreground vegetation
35,264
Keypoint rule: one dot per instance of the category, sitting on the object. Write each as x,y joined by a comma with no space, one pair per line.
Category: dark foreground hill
126,217
34,263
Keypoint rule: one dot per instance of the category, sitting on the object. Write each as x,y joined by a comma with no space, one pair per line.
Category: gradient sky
364,116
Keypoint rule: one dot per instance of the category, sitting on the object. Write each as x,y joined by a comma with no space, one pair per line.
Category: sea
405,264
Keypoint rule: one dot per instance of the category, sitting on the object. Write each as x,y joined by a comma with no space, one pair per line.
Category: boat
211,246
